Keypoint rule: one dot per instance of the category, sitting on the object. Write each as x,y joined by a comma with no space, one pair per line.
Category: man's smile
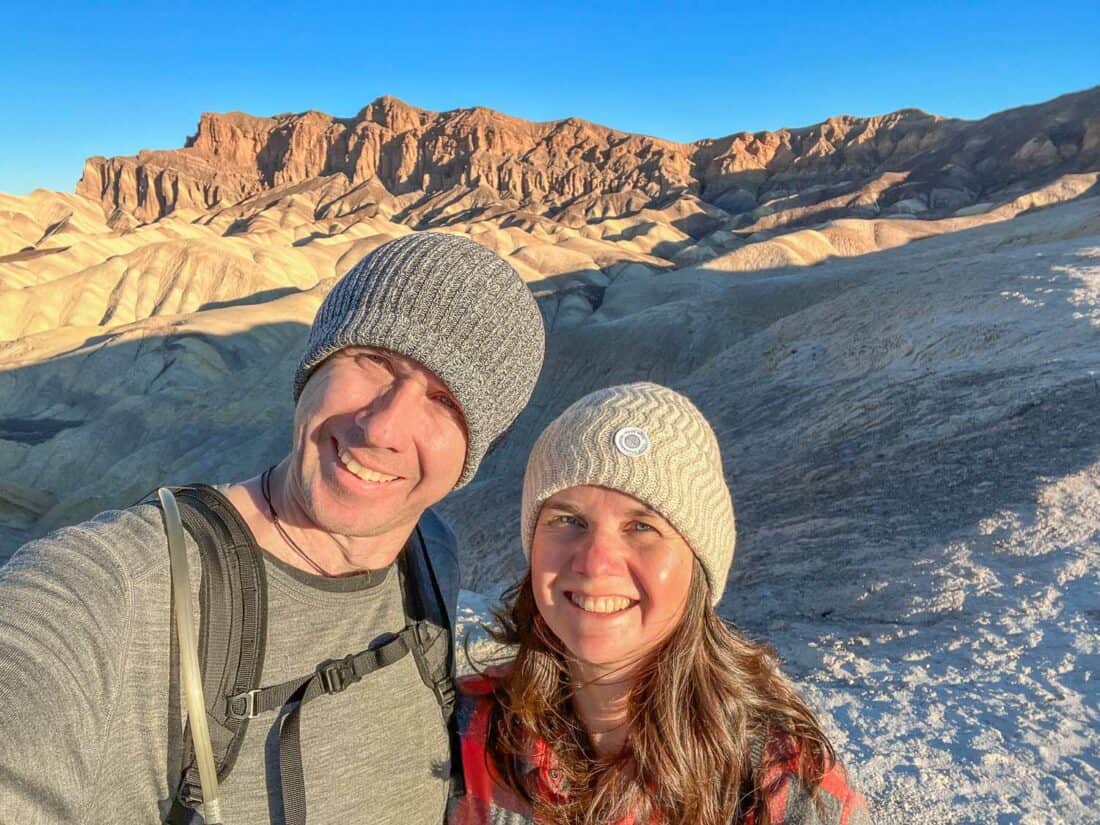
361,471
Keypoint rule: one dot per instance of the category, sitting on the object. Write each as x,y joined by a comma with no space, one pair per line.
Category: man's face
377,440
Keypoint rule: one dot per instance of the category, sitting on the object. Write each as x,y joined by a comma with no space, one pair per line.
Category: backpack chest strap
330,677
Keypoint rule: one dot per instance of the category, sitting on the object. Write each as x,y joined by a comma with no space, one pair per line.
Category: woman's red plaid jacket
488,802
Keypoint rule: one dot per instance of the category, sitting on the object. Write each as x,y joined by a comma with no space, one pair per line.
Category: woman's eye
566,520
642,527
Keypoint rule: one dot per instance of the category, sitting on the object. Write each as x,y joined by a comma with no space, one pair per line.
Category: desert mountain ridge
574,171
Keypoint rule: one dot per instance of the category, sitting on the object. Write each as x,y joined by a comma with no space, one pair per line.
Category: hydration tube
189,658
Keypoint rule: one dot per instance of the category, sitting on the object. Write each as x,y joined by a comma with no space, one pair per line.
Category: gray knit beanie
455,307
651,443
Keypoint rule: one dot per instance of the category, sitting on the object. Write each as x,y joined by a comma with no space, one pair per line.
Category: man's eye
372,358
642,527
447,401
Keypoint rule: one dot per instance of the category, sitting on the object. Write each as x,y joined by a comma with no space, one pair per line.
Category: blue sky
112,78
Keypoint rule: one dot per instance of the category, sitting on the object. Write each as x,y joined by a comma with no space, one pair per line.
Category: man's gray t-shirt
84,690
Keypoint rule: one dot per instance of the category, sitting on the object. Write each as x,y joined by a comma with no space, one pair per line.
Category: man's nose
388,420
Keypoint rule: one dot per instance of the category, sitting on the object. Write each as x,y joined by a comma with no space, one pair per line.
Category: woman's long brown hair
701,708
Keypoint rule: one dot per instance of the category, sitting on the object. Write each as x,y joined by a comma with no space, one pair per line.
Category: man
419,358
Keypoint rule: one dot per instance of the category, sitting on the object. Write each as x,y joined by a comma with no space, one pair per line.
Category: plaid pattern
488,802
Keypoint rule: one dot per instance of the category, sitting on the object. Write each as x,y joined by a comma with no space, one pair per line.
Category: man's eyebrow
644,510
434,381
437,384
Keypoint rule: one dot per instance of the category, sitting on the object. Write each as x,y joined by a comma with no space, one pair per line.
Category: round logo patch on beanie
632,441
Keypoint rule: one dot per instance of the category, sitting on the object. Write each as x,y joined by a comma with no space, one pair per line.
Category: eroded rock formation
573,171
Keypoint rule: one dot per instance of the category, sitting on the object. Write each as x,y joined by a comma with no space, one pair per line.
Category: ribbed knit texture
454,306
679,474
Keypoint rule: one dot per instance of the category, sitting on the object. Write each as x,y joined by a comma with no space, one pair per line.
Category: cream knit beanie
651,443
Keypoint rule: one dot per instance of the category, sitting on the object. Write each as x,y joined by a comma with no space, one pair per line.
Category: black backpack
232,631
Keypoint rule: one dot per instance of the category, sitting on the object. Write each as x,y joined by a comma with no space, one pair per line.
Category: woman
629,701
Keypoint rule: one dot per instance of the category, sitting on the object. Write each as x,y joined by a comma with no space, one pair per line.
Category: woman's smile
601,605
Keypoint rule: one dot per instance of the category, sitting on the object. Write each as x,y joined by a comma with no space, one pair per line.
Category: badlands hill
892,322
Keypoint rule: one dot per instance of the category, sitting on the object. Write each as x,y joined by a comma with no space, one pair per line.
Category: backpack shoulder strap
232,629
438,555
430,574
429,568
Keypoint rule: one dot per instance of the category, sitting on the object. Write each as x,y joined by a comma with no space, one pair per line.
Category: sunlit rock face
574,171
893,324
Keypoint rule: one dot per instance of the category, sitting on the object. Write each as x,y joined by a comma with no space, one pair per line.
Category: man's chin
352,516
360,526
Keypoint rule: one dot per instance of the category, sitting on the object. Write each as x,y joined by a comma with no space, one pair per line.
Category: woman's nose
597,555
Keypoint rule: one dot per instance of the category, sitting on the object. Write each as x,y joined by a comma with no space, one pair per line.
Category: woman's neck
602,703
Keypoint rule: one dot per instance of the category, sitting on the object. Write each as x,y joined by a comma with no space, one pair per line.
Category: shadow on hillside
261,297
747,224
100,426
29,253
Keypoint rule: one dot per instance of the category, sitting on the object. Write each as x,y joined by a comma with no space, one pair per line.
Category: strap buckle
243,705
189,794
336,675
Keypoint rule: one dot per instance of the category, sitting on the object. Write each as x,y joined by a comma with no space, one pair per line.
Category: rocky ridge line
574,172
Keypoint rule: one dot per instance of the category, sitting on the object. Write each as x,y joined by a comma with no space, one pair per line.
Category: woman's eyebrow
648,512
563,506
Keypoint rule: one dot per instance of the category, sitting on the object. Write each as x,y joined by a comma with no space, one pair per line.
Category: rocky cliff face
573,171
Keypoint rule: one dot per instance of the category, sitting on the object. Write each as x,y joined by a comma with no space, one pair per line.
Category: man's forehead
396,357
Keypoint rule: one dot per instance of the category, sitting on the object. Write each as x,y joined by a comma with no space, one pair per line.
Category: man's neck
299,542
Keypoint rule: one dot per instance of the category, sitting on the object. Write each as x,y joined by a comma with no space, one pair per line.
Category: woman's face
610,576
